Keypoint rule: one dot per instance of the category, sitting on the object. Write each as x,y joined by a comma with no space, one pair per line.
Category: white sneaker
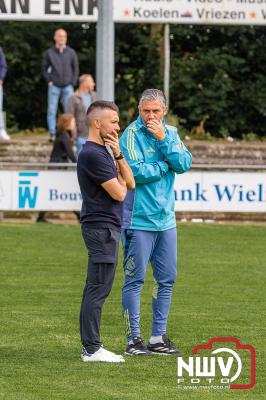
101,355
4,135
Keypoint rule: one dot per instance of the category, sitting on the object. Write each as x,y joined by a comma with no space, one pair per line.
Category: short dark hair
102,105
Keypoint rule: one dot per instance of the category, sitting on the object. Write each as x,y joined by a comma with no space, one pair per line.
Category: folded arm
176,153
116,188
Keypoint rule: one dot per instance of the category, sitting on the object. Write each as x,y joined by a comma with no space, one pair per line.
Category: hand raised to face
156,128
152,112
112,140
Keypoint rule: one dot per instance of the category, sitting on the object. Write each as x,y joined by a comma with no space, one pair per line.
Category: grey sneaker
137,348
166,347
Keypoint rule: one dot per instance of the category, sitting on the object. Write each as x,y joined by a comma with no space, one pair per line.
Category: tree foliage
220,74
24,43
217,73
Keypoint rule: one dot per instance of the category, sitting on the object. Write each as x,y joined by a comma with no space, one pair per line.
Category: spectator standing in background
3,70
60,69
62,151
78,104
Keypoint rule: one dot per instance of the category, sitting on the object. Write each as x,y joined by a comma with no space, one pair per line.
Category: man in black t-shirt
104,177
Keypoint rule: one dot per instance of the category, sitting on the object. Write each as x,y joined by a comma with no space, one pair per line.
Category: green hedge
218,80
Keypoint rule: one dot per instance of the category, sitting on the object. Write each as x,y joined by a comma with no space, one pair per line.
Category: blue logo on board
27,193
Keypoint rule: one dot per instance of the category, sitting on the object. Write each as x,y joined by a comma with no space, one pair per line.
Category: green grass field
220,291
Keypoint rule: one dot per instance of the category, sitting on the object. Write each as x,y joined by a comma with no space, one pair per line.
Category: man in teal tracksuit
155,154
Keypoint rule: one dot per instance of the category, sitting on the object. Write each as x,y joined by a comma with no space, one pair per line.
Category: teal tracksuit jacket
150,206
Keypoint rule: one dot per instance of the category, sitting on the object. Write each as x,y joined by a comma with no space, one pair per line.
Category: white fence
34,187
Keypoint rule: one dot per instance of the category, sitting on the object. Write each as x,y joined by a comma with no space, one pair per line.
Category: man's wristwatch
120,156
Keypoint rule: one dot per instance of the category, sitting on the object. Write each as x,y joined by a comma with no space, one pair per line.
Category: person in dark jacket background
63,146
3,70
62,151
60,69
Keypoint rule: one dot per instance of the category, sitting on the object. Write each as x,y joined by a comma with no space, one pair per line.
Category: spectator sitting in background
78,104
63,146
3,69
62,151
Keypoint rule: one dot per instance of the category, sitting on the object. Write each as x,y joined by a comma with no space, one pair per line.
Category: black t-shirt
96,166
